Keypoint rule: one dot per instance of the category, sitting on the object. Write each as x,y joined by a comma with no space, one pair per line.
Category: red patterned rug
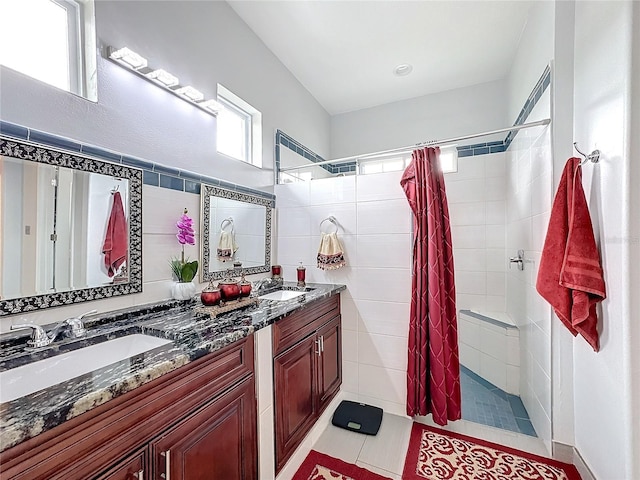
438,454
318,466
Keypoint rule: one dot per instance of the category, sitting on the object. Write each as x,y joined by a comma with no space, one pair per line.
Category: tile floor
483,402
385,452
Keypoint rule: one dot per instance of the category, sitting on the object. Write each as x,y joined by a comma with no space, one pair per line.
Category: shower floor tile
483,402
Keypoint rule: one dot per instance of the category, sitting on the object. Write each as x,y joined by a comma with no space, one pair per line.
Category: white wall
210,44
375,222
463,111
535,50
203,43
529,195
603,406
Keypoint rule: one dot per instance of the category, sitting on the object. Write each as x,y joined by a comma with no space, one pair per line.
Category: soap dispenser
301,271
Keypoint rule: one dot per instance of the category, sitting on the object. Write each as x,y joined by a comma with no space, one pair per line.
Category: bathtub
489,345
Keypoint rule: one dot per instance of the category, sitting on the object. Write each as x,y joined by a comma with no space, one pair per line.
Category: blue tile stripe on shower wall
153,174
286,141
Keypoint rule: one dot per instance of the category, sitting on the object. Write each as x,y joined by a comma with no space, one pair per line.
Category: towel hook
331,219
594,156
228,220
115,189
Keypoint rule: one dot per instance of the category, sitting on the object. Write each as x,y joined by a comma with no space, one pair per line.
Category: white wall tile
469,357
384,318
350,345
471,283
163,208
496,212
469,236
465,301
497,260
468,167
468,331
383,284
493,343
348,311
496,236
344,213
293,250
349,376
469,259
467,213
332,190
292,194
293,222
496,188
496,165
382,383
464,191
513,380
380,186
158,250
496,283
496,303
493,370
382,350
379,217
390,250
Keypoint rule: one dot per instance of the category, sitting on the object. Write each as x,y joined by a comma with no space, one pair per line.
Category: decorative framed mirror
71,228
236,233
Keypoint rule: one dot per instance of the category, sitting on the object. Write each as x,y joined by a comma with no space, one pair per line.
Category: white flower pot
183,290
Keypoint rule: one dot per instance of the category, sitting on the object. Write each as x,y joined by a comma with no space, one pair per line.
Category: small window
395,162
52,41
239,128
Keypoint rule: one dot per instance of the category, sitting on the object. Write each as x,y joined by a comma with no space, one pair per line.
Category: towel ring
331,219
226,221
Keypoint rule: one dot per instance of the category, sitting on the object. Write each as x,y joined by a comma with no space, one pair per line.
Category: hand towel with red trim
570,276
115,245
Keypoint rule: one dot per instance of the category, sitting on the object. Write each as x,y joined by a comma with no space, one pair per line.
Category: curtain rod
429,143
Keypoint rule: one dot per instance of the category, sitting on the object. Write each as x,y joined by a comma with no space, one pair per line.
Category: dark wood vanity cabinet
307,371
199,422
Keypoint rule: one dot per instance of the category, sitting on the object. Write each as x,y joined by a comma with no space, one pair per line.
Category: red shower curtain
433,373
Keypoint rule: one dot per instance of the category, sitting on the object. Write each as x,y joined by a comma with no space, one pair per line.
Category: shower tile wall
375,225
476,194
529,197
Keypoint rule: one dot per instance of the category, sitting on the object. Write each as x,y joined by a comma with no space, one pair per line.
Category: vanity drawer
291,329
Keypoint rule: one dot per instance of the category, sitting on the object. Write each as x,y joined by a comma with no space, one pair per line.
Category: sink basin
281,295
30,378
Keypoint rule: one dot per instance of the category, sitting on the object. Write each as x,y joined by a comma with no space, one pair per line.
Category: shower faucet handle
519,260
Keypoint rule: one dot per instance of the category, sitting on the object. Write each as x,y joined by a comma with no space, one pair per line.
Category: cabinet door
295,393
132,468
330,362
219,441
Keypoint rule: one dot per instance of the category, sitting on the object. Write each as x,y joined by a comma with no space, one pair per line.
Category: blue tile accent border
152,173
285,141
502,145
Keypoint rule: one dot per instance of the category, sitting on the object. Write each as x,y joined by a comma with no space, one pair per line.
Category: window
47,40
239,128
396,162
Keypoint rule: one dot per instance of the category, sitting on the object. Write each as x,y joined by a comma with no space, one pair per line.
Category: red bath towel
570,276
116,238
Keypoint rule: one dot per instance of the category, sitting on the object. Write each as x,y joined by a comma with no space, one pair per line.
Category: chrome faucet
71,327
266,281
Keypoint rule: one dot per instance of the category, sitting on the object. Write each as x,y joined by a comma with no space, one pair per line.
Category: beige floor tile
379,471
388,448
340,443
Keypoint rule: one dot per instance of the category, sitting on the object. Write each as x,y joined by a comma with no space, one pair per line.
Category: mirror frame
207,191
34,152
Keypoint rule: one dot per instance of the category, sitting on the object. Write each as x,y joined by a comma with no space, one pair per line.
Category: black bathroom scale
357,417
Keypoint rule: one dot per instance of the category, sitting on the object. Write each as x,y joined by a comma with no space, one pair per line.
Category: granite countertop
193,335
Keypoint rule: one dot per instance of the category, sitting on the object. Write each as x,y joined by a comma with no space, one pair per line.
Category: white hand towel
330,253
227,246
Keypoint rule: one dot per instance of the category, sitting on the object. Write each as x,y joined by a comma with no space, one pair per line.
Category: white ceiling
344,52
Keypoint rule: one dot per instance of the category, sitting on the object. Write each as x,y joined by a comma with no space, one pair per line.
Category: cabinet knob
318,351
139,475
322,343
167,465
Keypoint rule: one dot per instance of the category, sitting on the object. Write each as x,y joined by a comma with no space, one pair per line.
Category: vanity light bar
136,63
